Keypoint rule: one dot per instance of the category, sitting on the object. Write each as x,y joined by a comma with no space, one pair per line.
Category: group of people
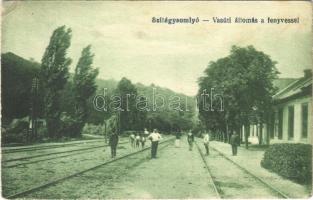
140,139
136,141
234,141
206,140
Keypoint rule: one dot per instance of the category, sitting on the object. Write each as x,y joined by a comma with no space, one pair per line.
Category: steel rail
48,154
23,149
54,153
253,175
209,172
36,161
47,159
54,182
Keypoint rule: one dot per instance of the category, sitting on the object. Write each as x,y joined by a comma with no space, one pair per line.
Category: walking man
154,137
206,140
190,139
235,142
113,142
178,135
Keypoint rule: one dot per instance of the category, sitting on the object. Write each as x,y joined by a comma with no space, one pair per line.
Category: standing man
206,140
113,142
190,139
178,135
235,142
154,137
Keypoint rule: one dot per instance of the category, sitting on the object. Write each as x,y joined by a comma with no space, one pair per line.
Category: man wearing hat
113,142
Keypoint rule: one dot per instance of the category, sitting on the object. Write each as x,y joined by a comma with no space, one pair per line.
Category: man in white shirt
206,140
154,137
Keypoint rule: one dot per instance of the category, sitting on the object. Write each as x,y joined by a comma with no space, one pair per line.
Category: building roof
281,83
297,88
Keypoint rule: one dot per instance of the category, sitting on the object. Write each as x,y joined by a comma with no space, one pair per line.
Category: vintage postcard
156,99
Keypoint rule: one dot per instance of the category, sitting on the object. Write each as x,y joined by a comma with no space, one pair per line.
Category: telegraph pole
34,106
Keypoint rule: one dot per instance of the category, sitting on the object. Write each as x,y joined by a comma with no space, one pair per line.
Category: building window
280,123
304,112
290,121
271,126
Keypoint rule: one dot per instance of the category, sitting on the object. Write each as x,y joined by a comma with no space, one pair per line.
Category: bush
16,132
70,127
42,132
93,129
292,161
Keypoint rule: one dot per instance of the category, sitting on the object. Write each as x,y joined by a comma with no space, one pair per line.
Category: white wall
297,103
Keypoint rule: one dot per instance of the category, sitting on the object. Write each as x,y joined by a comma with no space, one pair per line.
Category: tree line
64,99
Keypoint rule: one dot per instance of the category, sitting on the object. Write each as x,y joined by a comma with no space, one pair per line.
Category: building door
280,124
290,122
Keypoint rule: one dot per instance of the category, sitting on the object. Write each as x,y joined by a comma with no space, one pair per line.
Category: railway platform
176,173
250,160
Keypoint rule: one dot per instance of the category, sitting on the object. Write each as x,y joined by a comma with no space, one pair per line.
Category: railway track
48,154
41,160
59,180
211,180
76,152
219,189
265,183
24,149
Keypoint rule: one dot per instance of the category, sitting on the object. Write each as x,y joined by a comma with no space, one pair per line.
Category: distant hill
148,91
17,74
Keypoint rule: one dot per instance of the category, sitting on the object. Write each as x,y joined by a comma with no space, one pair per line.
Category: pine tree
84,83
54,75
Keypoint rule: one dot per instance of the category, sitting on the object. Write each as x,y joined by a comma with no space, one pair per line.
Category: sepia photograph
156,99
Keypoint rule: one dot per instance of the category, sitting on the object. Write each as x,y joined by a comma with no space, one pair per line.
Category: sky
127,44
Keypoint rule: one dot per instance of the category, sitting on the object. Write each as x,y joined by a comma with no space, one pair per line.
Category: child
137,140
143,141
132,140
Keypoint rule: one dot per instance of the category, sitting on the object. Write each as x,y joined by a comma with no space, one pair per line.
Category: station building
292,117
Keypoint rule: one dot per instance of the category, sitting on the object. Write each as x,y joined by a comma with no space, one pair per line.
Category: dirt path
176,173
